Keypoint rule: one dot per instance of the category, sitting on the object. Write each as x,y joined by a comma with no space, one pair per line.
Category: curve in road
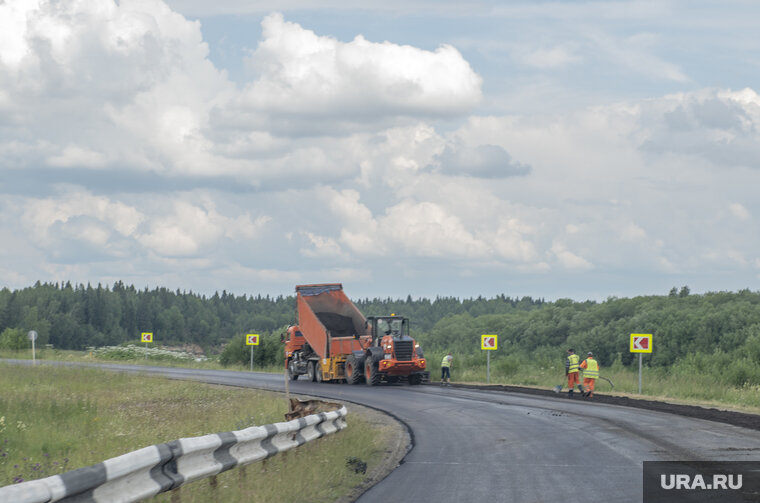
475,445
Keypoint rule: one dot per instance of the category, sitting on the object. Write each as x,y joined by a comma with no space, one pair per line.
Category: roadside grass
678,384
675,385
56,419
138,358
314,472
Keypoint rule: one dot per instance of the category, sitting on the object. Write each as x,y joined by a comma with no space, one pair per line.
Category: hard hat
590,353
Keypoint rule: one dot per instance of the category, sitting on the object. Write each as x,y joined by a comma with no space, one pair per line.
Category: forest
719,331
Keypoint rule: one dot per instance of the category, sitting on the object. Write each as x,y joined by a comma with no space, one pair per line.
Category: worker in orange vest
590,374
571,371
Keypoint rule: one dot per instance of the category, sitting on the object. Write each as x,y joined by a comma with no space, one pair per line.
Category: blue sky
551,149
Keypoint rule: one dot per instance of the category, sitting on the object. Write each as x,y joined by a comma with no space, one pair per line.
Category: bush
15,339
268,352
742,373
508,366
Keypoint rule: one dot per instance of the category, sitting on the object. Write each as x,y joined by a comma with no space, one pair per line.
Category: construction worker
446,369
590,374
571,371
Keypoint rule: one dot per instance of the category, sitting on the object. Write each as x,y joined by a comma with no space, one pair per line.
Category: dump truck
333,341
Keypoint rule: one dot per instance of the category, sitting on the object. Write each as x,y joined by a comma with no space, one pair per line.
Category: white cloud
739,211
510,244
174,228
322,247
638,55
568,259
548,58
191,229
718,126
307,75
75,156
40,215
129,86
487,161
362,151
426,229
101,84
633,233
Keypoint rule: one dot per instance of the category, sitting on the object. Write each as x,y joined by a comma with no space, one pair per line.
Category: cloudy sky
416,147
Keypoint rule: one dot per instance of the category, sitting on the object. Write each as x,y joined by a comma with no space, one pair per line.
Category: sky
576,149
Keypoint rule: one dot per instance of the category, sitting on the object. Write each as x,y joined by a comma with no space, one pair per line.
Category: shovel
612,385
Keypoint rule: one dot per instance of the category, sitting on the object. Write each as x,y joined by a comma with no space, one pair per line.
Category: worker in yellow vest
590,374
446,369
571,371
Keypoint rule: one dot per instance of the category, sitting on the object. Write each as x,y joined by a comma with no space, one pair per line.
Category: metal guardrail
152,470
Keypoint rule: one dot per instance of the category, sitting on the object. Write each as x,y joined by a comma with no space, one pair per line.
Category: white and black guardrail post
152,470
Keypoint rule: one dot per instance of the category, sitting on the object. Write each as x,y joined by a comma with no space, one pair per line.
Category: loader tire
318,372
311,371
371,375
353,370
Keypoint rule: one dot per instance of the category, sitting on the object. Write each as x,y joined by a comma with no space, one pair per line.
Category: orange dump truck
333,341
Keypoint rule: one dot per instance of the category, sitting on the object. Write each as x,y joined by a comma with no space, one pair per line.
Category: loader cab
396,327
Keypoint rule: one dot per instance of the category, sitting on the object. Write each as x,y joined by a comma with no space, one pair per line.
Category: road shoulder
392,434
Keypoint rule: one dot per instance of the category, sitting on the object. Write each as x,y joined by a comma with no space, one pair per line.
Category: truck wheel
353,370
318,372
291,373
311,371
371,375
415,379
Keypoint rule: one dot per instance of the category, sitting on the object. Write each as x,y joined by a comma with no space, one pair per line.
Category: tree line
717,330
77,316
716,333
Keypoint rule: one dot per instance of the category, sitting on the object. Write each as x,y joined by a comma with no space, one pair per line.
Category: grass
680,384
55,419
675,385
315,472
139,359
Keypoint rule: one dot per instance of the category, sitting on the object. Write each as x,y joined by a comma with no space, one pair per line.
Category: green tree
15,339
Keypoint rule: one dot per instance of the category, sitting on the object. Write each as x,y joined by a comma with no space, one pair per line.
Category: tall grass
55,419
686,381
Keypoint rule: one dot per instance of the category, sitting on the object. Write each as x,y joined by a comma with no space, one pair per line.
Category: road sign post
488,343
252,340
33,337
146,337
641,343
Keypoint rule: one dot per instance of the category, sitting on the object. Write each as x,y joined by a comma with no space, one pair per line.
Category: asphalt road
474,446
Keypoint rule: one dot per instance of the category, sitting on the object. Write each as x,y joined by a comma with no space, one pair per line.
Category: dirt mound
303,408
